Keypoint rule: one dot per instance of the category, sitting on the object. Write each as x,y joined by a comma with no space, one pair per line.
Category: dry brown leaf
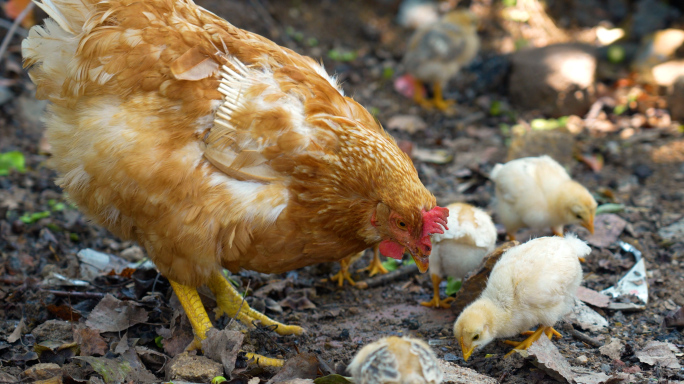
114,315
90,341
302,366
223,346
589,296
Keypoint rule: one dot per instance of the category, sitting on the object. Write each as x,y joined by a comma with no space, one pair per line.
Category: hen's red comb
434,220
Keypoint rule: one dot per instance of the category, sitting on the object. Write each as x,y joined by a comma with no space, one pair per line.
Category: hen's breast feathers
165,116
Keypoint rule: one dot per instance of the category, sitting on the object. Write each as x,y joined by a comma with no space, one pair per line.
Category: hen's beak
466,352
422,261
589,224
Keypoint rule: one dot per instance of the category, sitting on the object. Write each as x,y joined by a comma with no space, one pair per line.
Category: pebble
582,359
605,368
642,171
450,357
193,368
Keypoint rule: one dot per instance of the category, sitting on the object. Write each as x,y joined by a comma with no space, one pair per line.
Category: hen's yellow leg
230,302
343,274
375,265
438,99
192,304
436,302
533,336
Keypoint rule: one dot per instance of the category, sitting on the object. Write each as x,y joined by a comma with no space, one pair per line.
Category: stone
57,330
673,232
667,73
198,369
557,80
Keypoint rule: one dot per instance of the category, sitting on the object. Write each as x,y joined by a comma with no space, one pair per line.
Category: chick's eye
578,216
476,337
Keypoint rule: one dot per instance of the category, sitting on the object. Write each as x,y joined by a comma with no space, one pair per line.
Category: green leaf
610,208
390,264
620,109
453,285
336,55
73,236
616,54
218,379
495,108
509,3
548,124
333,379
112,370
312,41
12,160
408,261
387,73
30,218
158,341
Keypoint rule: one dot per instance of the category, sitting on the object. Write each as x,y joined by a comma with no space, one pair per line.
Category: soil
642,169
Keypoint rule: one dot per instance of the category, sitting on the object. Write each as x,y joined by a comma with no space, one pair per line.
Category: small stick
7,25
388,278
13,28
79,295
581,336
241,303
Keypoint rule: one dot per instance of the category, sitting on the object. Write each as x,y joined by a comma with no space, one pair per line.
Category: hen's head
406,229
577,205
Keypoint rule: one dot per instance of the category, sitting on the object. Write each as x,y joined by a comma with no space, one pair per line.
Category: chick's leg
343,274
418,94
436,302
192,304
375,265
230,302
533,336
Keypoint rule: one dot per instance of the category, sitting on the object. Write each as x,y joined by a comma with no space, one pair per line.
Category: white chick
537,192
396,360
532,284
461,248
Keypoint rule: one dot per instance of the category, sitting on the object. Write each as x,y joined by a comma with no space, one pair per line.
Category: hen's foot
533,336
343,275
192,304
375,265
436,302
231,302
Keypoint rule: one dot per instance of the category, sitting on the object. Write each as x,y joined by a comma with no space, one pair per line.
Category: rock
557,143
43,371
675,100
557,79
582,359
667,73
612,349
57,330
456,374
407,123
133,253
197,369
548,359
673,232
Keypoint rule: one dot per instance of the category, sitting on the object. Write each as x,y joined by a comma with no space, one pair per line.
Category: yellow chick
396,360
537,192
532,284
461,248
437,52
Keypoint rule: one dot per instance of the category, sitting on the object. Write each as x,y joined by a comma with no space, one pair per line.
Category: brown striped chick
532,284
460,249
537,192
437,52
396,360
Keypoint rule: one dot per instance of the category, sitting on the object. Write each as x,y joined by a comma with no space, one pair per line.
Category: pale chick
532,284
537,192
460,249
437,52
396,360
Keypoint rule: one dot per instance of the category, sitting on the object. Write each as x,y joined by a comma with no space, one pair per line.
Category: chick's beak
466,351
589,224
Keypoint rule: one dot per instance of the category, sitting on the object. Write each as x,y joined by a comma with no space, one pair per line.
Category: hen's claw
343,275
375,265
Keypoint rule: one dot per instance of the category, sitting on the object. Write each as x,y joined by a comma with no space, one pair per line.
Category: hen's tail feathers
71,15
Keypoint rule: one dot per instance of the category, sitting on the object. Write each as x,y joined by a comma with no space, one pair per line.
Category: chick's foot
192,304
375,265
533,336
232,304
436,302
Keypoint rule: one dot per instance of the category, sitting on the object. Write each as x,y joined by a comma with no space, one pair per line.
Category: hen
396,360
373,268
437,52
537,192
215,147
533,283
460,249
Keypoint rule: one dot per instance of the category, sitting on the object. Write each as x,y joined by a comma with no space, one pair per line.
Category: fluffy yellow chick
537,192
461,248
396,360
438,51
532,284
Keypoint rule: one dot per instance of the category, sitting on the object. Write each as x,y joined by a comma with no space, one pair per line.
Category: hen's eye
476,337
401,224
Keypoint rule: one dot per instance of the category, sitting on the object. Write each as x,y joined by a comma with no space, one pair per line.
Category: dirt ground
643,170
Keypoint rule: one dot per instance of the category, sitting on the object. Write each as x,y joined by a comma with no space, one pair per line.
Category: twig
79,295
7,25
241,303
388,278
581,336
14,27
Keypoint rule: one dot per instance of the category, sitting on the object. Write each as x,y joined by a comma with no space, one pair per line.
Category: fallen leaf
122,345
57,352
64,312
18,330
548,359
592,378
298,301
476,281
333,379
595,162
609,207
435,156
586,318
457,374
589,296
12,160
90,341
675,318
112,370
607,229
613,349
114,315
302,366
407,123
659,353
223,346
